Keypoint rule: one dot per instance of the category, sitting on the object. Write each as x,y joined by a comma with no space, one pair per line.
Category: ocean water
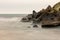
12,21
12,15
11,28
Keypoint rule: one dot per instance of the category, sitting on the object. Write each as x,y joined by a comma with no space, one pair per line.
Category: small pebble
35,26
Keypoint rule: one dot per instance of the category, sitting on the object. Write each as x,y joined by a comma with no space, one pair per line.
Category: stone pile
48,14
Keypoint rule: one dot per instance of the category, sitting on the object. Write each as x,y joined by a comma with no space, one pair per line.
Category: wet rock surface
25,19
46,16
35,26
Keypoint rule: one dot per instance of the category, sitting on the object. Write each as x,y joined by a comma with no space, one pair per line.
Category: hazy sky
24,6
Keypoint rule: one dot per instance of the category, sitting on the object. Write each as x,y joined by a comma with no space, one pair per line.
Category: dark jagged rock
34,14
27,18
48,16
49,9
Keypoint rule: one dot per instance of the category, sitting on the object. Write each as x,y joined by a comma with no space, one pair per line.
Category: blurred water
12,15
10,21
11,28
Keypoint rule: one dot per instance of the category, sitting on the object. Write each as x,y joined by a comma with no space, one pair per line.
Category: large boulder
27,18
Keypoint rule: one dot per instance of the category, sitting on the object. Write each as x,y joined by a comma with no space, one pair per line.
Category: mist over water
14,20
12,15
8,21
11,27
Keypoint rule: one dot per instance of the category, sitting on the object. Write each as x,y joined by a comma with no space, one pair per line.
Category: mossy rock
57,6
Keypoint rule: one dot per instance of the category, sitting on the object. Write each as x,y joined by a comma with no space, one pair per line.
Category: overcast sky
24,6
